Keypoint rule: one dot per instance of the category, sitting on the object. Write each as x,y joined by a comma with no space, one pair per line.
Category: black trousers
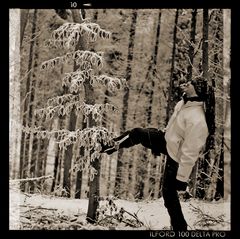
149,137
154,139
170,195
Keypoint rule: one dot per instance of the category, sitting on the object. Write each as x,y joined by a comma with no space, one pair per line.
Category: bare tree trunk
227,105
170,88
205,44
28,104
33,141
189,77
119,173
215,189
157,175
79,176
14,96
192,43
68,156
56,166
23,20
150,76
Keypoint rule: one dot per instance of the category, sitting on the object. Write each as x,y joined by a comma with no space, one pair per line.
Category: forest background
125,74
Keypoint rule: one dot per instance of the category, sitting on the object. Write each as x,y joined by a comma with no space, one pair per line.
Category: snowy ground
26,209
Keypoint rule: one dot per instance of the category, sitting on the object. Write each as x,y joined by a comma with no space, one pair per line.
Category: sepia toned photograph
120,119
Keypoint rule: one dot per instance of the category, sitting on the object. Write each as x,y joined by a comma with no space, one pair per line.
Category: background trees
152,49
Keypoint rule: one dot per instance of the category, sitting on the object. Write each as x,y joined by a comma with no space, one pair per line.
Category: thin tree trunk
14,96
227,105
205,44
55,170
119,173
68,156
23,22
28,107
170,103
215,189
210,109
192,43
79,176
33,141
150,78
189,77
152,70
157,175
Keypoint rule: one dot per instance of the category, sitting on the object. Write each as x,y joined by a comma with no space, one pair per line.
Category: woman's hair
201,87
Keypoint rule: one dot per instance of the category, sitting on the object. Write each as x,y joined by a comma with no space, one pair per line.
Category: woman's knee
136,134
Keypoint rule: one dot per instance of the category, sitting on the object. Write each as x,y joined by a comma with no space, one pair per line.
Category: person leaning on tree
181,141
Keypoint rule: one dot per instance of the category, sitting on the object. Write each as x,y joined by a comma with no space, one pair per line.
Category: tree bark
193,176
150,76
23,20
192,43
170,103
205,44
215,190
28,107
227,105
73,118
14,96
119,172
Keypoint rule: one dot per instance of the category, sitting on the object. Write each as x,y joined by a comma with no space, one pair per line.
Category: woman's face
188,89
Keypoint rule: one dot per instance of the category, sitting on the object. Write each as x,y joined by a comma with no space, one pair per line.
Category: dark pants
149,137
154,139
170,196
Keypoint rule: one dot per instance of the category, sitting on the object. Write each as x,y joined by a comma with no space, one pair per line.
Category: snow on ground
198,214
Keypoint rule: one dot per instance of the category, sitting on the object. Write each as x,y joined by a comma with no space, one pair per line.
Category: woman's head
200,86
196,87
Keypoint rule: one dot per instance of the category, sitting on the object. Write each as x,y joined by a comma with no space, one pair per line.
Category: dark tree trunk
210,112
28,106
170,105
94,185
84,125
94,191
68,156
192,43
152,71
216,183
23,21
205,44
189,77
79,173
149,94
125,101
56,165
73,118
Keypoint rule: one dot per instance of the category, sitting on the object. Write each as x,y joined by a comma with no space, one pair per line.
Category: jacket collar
192,103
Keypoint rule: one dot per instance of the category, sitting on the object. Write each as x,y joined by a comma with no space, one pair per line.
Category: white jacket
186,135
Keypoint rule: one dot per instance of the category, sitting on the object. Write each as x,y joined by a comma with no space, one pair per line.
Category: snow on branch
206,220
60,107
108,213
68,35
75,81
112,83
30,179
89,138
85,59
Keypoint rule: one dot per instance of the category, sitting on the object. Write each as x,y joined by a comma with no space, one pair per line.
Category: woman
182,141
